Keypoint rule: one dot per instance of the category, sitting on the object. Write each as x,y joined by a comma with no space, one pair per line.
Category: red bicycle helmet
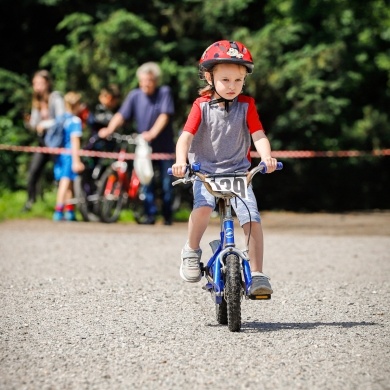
222,52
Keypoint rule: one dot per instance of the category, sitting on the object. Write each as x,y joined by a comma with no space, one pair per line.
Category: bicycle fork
215,267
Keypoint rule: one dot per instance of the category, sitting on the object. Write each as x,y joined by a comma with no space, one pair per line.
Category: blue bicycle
228,271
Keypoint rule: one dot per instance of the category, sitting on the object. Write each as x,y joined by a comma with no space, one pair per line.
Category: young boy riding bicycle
218,134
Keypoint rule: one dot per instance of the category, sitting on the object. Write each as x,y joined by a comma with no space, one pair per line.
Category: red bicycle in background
119,186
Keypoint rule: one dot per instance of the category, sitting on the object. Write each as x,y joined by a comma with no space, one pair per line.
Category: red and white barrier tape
168,156
317,153
89,153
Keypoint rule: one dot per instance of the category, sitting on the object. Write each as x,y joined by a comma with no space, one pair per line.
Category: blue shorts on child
63,167
245,209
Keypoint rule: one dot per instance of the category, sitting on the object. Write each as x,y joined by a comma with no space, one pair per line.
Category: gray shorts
203,198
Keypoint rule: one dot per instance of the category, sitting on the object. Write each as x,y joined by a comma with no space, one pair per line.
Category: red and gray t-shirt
222,139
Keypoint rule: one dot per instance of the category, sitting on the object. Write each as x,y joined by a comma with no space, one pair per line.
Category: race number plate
237,185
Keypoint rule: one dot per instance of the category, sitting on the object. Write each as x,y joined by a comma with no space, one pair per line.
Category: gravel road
94,306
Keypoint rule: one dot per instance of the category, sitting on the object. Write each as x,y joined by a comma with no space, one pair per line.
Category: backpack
54,137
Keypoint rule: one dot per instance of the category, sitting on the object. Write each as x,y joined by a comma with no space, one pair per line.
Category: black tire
111,203
233,292
84,187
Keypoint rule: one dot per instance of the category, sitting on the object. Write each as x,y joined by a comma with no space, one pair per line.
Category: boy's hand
271,163
77,167
179,169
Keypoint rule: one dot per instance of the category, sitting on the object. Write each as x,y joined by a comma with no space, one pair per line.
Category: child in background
99,117
109,101
67,166
218,134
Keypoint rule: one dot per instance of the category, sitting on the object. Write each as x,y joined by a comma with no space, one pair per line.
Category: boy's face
228,80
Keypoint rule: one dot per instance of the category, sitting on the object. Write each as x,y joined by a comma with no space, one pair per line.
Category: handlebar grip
279,166
195,167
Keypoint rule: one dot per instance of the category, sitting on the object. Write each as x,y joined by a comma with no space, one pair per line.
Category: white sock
188,248
257,273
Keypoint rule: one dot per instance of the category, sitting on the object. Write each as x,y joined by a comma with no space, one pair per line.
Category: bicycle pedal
261,297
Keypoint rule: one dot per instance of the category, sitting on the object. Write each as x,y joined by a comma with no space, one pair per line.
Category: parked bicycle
86,184
119,186
105,188
228,271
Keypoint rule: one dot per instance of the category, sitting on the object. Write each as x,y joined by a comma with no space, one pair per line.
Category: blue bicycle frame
228,271
221,248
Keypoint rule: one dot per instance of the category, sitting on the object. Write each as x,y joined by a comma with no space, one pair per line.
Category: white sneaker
260,285
190,265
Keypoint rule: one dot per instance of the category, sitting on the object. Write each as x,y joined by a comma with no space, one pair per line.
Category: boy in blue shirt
67,166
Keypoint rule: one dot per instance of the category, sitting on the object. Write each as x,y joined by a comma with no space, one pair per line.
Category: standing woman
46,104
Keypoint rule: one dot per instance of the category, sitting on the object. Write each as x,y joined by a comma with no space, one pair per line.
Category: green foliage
15,93
15,96
11,204
100,52
370,132
49,2
311,87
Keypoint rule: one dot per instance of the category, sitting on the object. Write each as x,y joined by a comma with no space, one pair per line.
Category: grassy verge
11,206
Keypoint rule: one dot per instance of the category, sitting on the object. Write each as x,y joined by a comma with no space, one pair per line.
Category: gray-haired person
151,107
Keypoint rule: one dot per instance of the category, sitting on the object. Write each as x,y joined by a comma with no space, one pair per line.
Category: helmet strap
220,100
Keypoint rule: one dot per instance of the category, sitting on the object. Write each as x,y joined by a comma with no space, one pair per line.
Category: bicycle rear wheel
233,292
112,197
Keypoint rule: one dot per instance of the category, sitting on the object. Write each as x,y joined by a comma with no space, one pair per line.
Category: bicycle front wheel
85,190
233,292
112,197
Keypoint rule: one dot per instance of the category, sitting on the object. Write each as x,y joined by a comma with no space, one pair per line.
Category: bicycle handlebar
262,168
130,139
116,137
193,171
